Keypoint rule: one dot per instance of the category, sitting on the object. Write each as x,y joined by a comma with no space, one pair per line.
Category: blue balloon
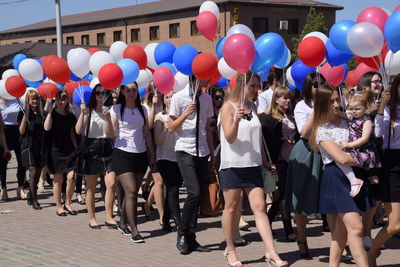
219,46
346,72
33,84
75,78
392,31
299,72
291,86
338,35
17,60
334,56
269,50
164,52
168,65
130,70
263,74
142,92
282,62
183,58
223,83
82,92
88,77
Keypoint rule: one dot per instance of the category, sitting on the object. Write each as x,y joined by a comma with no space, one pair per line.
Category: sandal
232,264
356,187
275,263
80,199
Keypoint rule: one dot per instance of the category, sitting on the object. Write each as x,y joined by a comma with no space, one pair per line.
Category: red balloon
232,82
110,76
374,15
56,69
72,85
239,52
207,24
362,69
312,51
15,86
351,79
93,50
48,90
205,66
374,62
333,75
215,79
137,54
164,80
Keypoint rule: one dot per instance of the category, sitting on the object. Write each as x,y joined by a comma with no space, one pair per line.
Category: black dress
62,156
33,145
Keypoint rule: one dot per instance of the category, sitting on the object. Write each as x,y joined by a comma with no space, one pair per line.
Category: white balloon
365,39
388,12
392,63
149,49
226,71
211,7
78,61
117,50
289,77
181,81
31,70
9,73
240,28
319,35
3,92
145,77
95,81
98,60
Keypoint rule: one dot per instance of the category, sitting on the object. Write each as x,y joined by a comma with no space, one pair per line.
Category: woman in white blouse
387,124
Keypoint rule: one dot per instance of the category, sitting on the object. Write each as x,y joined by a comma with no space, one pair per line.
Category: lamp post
58,28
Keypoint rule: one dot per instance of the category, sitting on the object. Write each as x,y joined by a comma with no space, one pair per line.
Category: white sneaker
367,242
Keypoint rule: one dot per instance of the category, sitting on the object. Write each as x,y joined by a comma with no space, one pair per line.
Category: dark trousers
194,173
172,178
12,138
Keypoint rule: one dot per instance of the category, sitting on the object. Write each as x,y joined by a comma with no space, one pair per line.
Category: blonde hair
33,94
237,92
279,92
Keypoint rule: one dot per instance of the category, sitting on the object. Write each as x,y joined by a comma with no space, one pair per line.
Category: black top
34,134
60,133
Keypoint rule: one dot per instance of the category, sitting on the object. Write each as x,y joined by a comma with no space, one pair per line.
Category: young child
360,145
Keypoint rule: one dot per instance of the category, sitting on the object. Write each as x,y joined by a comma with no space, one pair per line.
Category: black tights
34,175
130,183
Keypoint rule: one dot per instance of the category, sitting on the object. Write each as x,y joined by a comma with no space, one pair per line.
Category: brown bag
212,200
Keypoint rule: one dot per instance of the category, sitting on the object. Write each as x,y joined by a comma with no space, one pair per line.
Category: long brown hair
237,92
321,111
394,99
279,92
64,95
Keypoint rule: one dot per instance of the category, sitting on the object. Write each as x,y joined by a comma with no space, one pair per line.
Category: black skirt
30,157
391,178
99,157
249,177
123,162
61,162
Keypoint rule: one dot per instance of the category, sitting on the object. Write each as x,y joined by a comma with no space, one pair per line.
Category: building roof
34,50
156,7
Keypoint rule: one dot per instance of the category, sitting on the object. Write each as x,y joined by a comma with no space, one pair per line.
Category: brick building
171,20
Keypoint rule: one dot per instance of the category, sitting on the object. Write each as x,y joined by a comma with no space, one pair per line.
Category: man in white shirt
274,80
190,114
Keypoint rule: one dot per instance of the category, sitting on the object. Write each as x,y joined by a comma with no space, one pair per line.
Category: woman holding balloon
60,124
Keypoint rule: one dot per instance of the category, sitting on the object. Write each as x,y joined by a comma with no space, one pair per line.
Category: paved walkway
35,238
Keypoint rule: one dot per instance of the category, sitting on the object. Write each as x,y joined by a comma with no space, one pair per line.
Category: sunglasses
218,97
316,85
100,92
376,82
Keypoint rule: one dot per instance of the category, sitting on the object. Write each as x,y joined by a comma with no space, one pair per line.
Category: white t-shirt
264,100
302,112
9,111
166,150
97,122
130,129
186,136
336,133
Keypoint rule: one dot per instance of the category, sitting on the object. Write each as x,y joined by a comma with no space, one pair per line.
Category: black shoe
70,212
62,214
124,230
182,244
148,217
241,243
111,225
94,226
347,258
137,239
29,198
303,248
195,246
166,227
36,206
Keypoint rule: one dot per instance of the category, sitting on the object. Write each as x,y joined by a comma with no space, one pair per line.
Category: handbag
82,153
212,200
269,179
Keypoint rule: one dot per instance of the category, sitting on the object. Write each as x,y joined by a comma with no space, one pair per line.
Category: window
174,30
117,36
85,39
54,40
101,38
154,32
28,41
293,26
135,35
41,41
193,28
14,43
260,25
70,40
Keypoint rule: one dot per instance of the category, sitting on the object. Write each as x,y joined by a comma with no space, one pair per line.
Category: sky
16,13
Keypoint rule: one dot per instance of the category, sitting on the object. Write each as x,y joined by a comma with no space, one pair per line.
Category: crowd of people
322,150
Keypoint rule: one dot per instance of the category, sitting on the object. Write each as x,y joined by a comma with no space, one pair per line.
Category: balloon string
342,103
196,88
20,106
105,99
318,76
385,75
284,76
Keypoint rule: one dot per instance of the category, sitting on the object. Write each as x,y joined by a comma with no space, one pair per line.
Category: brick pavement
35,238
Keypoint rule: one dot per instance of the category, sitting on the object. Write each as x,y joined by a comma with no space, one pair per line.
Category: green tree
315,22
